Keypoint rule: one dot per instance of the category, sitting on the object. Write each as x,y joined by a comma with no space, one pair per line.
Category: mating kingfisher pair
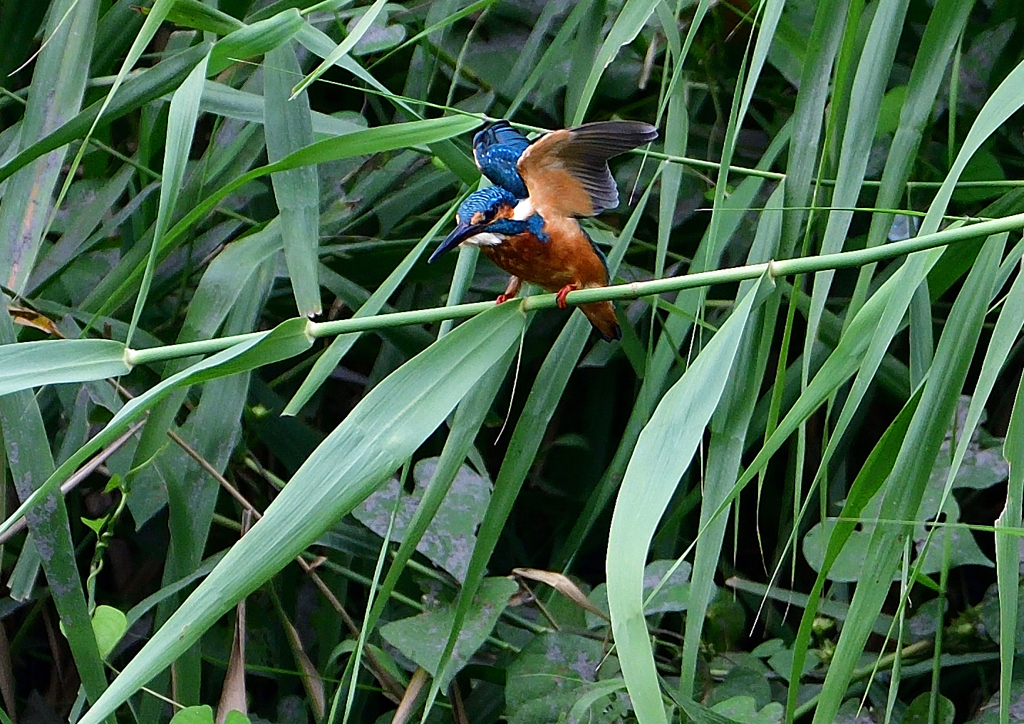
527,222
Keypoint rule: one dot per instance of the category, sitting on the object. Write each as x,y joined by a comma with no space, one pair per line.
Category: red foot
514,283
560,297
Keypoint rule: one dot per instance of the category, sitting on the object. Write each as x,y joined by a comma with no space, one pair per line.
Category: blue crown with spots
485,200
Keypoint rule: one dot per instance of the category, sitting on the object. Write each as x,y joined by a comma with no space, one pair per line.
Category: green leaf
256,39
58,84
552,673
919,711
451,534
28,456
199,15
236,717
147,86
344,47
744,709
33,364
181,125
110,626
383,430
422,638
628,23
649,483
289,128
193,715
669,584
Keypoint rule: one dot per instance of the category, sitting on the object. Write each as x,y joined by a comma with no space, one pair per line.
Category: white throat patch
485,238
523,210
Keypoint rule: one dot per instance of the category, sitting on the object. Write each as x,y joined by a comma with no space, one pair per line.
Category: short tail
602,316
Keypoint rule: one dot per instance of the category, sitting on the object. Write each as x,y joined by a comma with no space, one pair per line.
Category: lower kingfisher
536,237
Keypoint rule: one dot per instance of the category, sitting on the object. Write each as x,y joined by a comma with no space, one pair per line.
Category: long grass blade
30,460
289,128
374,439
181,125
909,477
650,481
56,94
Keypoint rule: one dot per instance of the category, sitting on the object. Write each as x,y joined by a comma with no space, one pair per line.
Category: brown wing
566,172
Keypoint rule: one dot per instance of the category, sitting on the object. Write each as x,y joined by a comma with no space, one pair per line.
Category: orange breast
568,258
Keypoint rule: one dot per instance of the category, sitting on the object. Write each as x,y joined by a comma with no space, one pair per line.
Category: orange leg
514,284
560,298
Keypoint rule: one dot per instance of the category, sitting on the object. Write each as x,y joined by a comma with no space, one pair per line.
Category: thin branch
633,290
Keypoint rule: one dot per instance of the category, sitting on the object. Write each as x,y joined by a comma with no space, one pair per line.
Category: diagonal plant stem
633,290
84,472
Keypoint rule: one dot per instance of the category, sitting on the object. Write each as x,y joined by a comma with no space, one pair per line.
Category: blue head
486,213
497,149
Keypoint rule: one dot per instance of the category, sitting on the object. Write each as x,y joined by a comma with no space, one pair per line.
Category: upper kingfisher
527,223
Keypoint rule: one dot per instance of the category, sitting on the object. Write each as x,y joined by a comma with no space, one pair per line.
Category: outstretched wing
496,149
566,172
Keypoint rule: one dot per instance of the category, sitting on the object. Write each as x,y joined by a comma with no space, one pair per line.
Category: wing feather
566,172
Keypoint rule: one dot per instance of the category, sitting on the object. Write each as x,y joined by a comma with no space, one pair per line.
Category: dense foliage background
793,490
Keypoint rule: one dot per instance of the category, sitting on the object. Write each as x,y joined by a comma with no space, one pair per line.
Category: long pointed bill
458,235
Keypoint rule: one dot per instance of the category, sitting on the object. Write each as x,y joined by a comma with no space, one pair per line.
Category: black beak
458,235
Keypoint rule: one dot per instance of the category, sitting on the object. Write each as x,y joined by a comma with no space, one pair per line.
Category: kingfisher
527,222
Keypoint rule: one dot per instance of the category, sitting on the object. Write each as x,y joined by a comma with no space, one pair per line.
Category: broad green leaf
666,589
33,364
181,125
650,481
422,638
138,90
908,479
193,715
356,34
383,430
289,128
110,625
256,39
552,673
58,84
28,456
451,535
919,711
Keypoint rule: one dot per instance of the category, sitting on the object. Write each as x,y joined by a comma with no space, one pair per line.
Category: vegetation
772,500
